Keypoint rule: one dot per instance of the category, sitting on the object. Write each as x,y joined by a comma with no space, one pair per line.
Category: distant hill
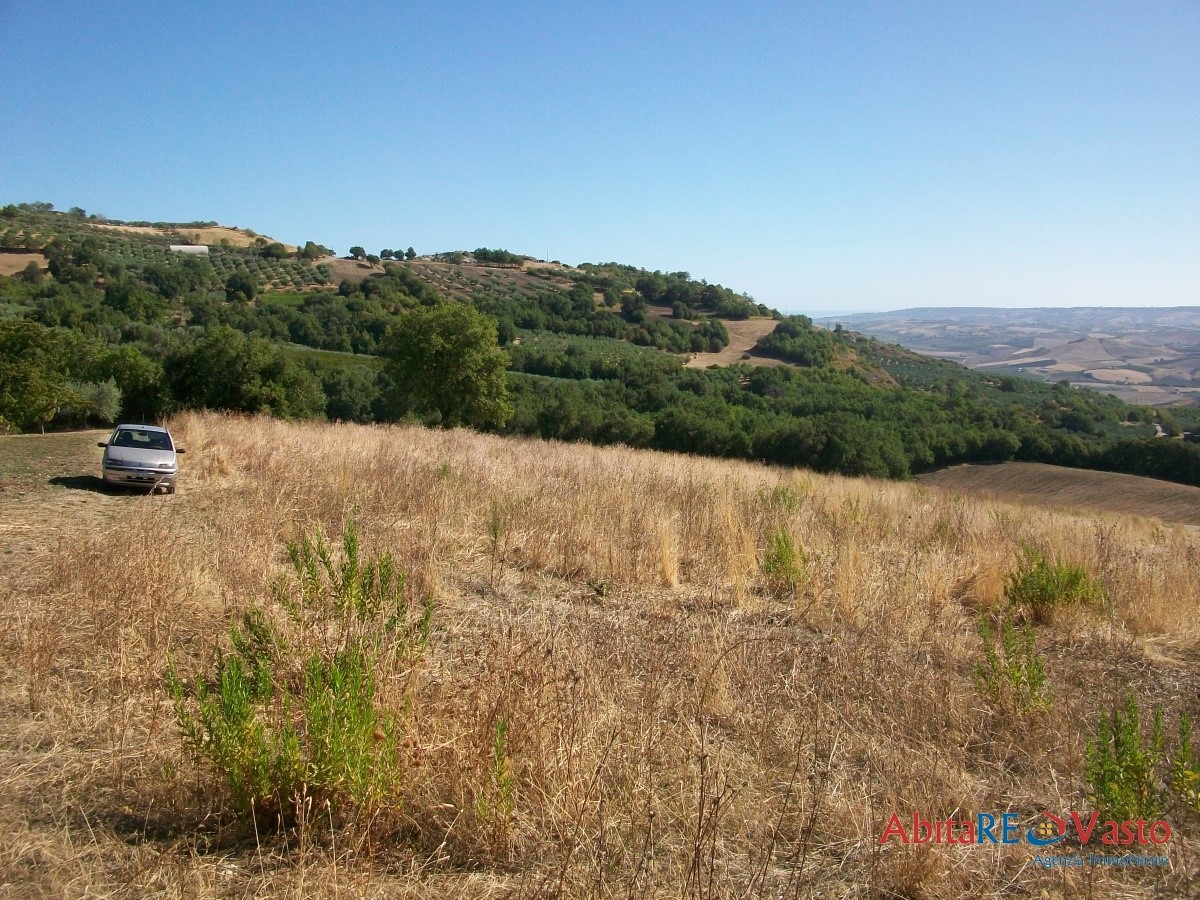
600,352
1144,355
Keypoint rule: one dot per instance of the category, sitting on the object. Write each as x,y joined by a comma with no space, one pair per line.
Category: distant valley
1148,356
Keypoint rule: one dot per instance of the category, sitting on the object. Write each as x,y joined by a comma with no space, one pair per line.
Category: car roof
143,427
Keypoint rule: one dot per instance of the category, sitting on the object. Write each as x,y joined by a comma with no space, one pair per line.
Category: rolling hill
597,352
1144,355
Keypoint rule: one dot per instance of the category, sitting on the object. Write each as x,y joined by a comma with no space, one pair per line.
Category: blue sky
822,157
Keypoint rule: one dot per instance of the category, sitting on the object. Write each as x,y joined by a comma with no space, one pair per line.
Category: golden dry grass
674,728
349,269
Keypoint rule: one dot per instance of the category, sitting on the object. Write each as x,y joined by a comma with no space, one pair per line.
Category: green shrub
292,717
1015,675
1185,767
497,801
1119,765
1042,586
784,564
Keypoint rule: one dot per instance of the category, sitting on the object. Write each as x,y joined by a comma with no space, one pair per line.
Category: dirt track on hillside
50,487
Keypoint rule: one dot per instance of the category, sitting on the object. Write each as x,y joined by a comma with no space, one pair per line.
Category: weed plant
1014,675
291,719
784,564
1042,585
1120,765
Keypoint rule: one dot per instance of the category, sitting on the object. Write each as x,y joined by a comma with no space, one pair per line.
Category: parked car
140,456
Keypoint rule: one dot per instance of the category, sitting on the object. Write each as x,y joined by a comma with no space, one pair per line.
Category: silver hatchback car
140,456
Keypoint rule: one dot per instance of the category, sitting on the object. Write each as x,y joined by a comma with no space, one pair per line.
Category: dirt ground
12,263
348,268
743,335
1055,486
50,485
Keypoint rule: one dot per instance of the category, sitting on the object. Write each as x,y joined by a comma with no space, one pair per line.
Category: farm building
190,249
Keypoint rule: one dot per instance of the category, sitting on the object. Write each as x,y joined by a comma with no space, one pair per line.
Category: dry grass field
673,720
207,235
351,269
1079,489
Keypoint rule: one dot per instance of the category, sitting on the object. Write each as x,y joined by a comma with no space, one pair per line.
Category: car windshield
143,440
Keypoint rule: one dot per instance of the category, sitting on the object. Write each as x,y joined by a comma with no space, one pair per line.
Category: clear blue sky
821,156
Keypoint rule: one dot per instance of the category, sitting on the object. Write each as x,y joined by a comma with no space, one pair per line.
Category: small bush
784,564
1015,676
1119,765
1042,586
1185,767
292,716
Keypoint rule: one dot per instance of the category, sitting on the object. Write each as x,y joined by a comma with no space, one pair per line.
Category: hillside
1058,487
603,353
1144,355
620,617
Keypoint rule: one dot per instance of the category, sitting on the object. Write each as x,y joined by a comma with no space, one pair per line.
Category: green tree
312,251
90,402
227,370
357,252
31,274
410,253
350,394
240,286
443,361
140,381
32,380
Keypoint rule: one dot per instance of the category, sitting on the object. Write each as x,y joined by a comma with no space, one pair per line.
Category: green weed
1042,585
292,716
1119,765
1014,675
1185,767
784,563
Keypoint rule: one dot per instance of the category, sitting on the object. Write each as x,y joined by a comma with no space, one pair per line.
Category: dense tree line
486,257
98,339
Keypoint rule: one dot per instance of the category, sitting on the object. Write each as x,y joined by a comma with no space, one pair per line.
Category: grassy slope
619,622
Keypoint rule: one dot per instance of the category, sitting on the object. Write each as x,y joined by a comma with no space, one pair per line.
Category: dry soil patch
743,335
12,263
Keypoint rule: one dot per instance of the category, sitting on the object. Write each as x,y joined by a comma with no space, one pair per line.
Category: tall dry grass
673,727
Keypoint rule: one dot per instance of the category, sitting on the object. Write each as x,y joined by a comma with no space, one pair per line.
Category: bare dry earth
12,263
743,335
1076,489
348,269
211,235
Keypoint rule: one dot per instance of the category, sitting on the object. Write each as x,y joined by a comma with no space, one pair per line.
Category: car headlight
166,465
